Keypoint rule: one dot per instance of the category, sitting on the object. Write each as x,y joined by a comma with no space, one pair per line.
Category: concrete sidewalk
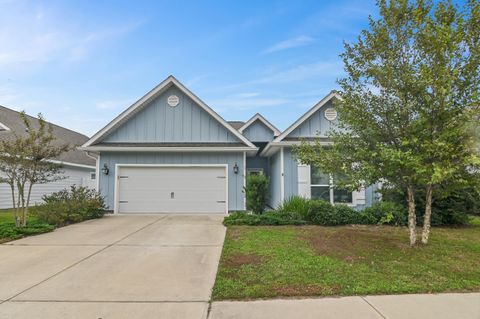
424,306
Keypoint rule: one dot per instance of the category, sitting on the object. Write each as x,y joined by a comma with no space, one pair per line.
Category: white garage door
168,189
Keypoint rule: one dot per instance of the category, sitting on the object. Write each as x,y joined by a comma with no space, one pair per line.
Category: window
254,171
322,187
92,175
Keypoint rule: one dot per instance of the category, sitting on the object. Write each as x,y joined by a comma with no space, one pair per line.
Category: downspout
282,176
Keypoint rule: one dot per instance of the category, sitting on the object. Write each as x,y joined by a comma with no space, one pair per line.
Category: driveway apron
123,266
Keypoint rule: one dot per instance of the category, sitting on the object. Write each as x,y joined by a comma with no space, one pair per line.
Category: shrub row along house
78,168
171,153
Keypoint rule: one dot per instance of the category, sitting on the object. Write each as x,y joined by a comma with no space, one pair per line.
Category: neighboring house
78,168
171,153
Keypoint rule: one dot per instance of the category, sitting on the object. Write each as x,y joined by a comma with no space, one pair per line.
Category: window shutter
304,181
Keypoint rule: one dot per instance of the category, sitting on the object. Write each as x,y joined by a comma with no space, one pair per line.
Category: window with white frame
323,187
254,171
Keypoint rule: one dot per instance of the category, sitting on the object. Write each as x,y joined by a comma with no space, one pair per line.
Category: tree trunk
428,214
25,211
412,219
14,207
21,206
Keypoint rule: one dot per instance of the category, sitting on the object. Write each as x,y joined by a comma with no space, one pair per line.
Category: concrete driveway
146,266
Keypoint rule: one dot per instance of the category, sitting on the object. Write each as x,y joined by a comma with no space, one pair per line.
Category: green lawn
282,261
8,231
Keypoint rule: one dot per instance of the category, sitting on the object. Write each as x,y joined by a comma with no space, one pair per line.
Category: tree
26,160
404,99
447,84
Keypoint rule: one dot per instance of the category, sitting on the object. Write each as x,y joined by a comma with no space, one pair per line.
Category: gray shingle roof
236,124
13,121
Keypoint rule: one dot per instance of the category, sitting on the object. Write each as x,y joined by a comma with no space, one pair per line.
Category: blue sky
81,63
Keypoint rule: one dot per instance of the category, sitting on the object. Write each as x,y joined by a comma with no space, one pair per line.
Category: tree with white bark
29,159
411,90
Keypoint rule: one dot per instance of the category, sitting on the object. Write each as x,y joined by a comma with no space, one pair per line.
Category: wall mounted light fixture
105,169
235,168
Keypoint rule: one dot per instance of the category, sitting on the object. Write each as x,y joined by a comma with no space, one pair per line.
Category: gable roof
304,117
282,139
155,92
13,125
259,117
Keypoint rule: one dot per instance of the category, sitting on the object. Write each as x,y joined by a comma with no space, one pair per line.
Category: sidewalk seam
376,310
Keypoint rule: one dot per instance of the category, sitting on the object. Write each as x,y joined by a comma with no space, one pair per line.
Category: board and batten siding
258,132
315,125
275,176
235,181
72,176
290,167
159,122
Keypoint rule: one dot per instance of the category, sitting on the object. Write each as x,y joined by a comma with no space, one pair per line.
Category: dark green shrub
449,206
256,192
70,206
267,219
320,212
385,213
345,215
297,206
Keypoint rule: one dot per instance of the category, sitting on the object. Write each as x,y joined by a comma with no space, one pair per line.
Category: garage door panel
167,189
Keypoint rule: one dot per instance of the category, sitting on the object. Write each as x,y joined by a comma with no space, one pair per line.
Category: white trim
259,117
270,148
152,94
97,171
282,176
331,186
244,180
305,116
168,149
71,164
117,166
3,126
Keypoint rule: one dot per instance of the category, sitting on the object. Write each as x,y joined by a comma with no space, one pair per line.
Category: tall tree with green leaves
26,160
448,84
400,124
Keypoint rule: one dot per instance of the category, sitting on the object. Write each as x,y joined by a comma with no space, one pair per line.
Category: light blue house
171,153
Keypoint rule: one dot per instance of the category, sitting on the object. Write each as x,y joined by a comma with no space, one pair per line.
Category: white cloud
247,94
34,36
296,74
290,43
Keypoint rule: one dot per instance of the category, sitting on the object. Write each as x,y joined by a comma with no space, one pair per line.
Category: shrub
256,192
267,219
320,212
451,206
10,231
345,215
70,206
297,206
384,213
